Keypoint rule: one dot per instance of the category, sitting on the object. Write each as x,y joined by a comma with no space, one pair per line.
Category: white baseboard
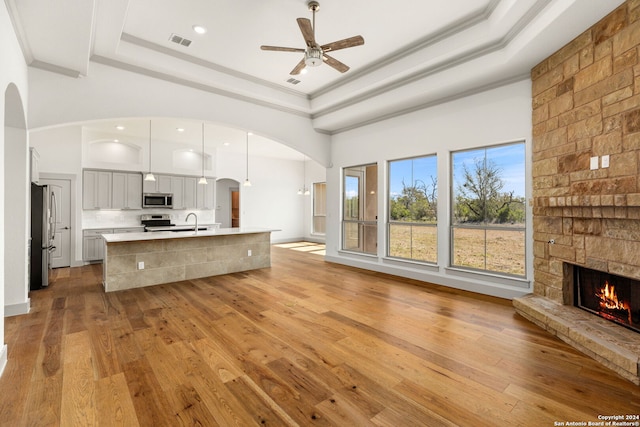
3,358
17,309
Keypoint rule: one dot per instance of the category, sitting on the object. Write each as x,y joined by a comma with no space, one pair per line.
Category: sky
509,158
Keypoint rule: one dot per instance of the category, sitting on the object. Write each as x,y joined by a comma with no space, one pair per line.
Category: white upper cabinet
127,190
205,195
189,195
96,189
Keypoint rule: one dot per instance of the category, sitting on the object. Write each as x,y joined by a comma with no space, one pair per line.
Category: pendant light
149,176
202,180
304,190
247,183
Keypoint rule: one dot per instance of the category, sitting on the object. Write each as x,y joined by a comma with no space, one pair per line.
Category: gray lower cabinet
93,243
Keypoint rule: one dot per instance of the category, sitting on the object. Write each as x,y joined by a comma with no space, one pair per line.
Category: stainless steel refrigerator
42,234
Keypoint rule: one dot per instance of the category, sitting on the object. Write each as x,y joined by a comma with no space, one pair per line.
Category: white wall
315,173
16,227
60,152
492,117
12,71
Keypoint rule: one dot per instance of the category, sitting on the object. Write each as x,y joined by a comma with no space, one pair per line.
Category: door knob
65,228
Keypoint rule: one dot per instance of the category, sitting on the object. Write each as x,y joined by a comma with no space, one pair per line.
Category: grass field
504,248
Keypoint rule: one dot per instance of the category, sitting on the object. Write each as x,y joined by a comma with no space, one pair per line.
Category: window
412,228
488,215
360,209
319,208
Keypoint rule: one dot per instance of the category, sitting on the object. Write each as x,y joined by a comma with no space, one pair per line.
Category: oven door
157,200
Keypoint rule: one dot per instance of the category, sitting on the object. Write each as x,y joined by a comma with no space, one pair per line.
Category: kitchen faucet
196,216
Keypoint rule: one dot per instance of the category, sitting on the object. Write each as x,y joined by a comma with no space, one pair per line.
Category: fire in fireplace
609,296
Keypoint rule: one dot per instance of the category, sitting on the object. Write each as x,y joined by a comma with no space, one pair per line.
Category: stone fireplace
586,182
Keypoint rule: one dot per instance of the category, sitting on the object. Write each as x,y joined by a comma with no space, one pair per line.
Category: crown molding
451,29
461,58
207,64
459,95
194,85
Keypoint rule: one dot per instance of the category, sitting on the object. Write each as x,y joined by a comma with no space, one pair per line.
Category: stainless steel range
156,222
162,222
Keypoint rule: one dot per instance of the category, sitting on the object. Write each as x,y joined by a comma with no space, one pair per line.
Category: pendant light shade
149,176
247,183
202,180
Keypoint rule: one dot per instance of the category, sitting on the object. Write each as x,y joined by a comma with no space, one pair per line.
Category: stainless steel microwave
157,200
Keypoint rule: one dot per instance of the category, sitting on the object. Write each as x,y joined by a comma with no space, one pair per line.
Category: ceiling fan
315,54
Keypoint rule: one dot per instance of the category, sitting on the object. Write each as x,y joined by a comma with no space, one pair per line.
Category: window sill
520,282
414,264
358,254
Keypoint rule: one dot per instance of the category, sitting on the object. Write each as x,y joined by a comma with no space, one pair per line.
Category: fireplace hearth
609,296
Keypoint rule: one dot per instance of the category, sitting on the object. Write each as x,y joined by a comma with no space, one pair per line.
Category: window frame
314,213
390,222
361,223
485,226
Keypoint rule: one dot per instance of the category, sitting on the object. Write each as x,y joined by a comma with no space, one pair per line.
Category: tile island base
136,260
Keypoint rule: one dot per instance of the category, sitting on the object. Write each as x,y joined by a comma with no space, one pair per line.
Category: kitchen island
134,260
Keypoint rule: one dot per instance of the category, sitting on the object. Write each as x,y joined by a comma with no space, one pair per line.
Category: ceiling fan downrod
314,6
313,54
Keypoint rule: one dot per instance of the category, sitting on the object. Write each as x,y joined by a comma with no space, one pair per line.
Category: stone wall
586,103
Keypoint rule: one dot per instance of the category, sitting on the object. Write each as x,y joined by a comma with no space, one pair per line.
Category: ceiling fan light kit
315,54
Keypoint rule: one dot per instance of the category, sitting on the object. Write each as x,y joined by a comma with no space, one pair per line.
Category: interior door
235,207
60,207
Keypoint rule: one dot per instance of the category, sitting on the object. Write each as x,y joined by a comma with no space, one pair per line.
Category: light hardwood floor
304,342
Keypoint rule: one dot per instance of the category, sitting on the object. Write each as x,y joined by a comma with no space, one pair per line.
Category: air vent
293,81
180,40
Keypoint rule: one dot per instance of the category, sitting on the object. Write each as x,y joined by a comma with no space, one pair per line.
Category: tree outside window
488,216
413,203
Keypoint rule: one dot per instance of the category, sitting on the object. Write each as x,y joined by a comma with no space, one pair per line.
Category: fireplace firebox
609,296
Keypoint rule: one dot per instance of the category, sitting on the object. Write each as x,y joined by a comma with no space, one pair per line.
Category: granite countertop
189,233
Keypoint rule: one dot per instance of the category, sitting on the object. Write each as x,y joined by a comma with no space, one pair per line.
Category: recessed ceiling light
116,140
304,71
120,127
180,129
226,144
199,29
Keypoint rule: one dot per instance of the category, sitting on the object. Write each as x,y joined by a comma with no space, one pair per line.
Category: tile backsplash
131,218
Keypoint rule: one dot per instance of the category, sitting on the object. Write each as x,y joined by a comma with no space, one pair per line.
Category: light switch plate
605,161
594,163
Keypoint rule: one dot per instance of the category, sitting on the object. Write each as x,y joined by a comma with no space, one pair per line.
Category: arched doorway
228,203
16,205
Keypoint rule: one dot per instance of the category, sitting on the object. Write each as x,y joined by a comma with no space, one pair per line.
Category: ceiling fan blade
307,31
281,49
332,62
343,44
298,68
